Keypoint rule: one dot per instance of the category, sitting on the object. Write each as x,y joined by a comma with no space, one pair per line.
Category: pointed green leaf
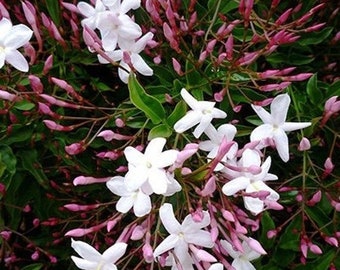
177,113
54,10
151,106
313,91
161,130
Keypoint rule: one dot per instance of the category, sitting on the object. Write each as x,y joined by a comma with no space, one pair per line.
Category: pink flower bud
209,187
48,64
247,59
35,256
271,234
5,235
315,27
147,253
273,205
284,16
2,189
157,59
329,166
36,222
201,254
189,150
109,135
197,216
7,96
315,199
75,148
299,77
304,144
86,180
54,126
76,207
256,246
332,241
315,249
122,169
71,7
27,208
52,259
112,223
138,233
119,122
227,215
36,84
177,67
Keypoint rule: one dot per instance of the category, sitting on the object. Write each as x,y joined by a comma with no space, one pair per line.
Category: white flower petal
189,120
86,9
140,65
289,126
117,186
123,75
250,158
204,123
263,114
17,60
141,43
2,59
133,156
279,108
136,177
191,226
126,5
229,248
242,264
142,205
281,143
167,244
261,132
200,238
84,264
254,205
217,113
165,159
5,26
18,36
168,218
124,204
235,185
158,181
115,252
154,148
189,99
85,250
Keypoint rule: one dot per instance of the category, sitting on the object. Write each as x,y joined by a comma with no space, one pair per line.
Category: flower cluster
120,36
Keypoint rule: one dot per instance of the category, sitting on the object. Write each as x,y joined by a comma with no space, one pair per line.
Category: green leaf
313,91
315,37
19,134
318,216
161,130
30,163
177,113
35,266
24,105
152,108
53,9
267,224
8,163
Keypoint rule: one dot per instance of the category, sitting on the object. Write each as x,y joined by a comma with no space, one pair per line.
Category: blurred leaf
54,10
313,91
318,216
292,59
19,133
24,105
267,224
315,37
161,130
8,163
334,89
152,108
31,163
35,266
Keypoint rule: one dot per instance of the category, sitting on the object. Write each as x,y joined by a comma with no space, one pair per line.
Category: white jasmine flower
149,167
274,125
251,177
133,49
92,14
227,132
202,113
12,38
92,259
181,235
137,199
241,259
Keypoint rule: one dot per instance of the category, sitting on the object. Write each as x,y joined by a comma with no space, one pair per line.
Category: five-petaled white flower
250,177
12,38
133,49
92,259
274,125
137,199
202,113
182,235
148,168
227,132
241,259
